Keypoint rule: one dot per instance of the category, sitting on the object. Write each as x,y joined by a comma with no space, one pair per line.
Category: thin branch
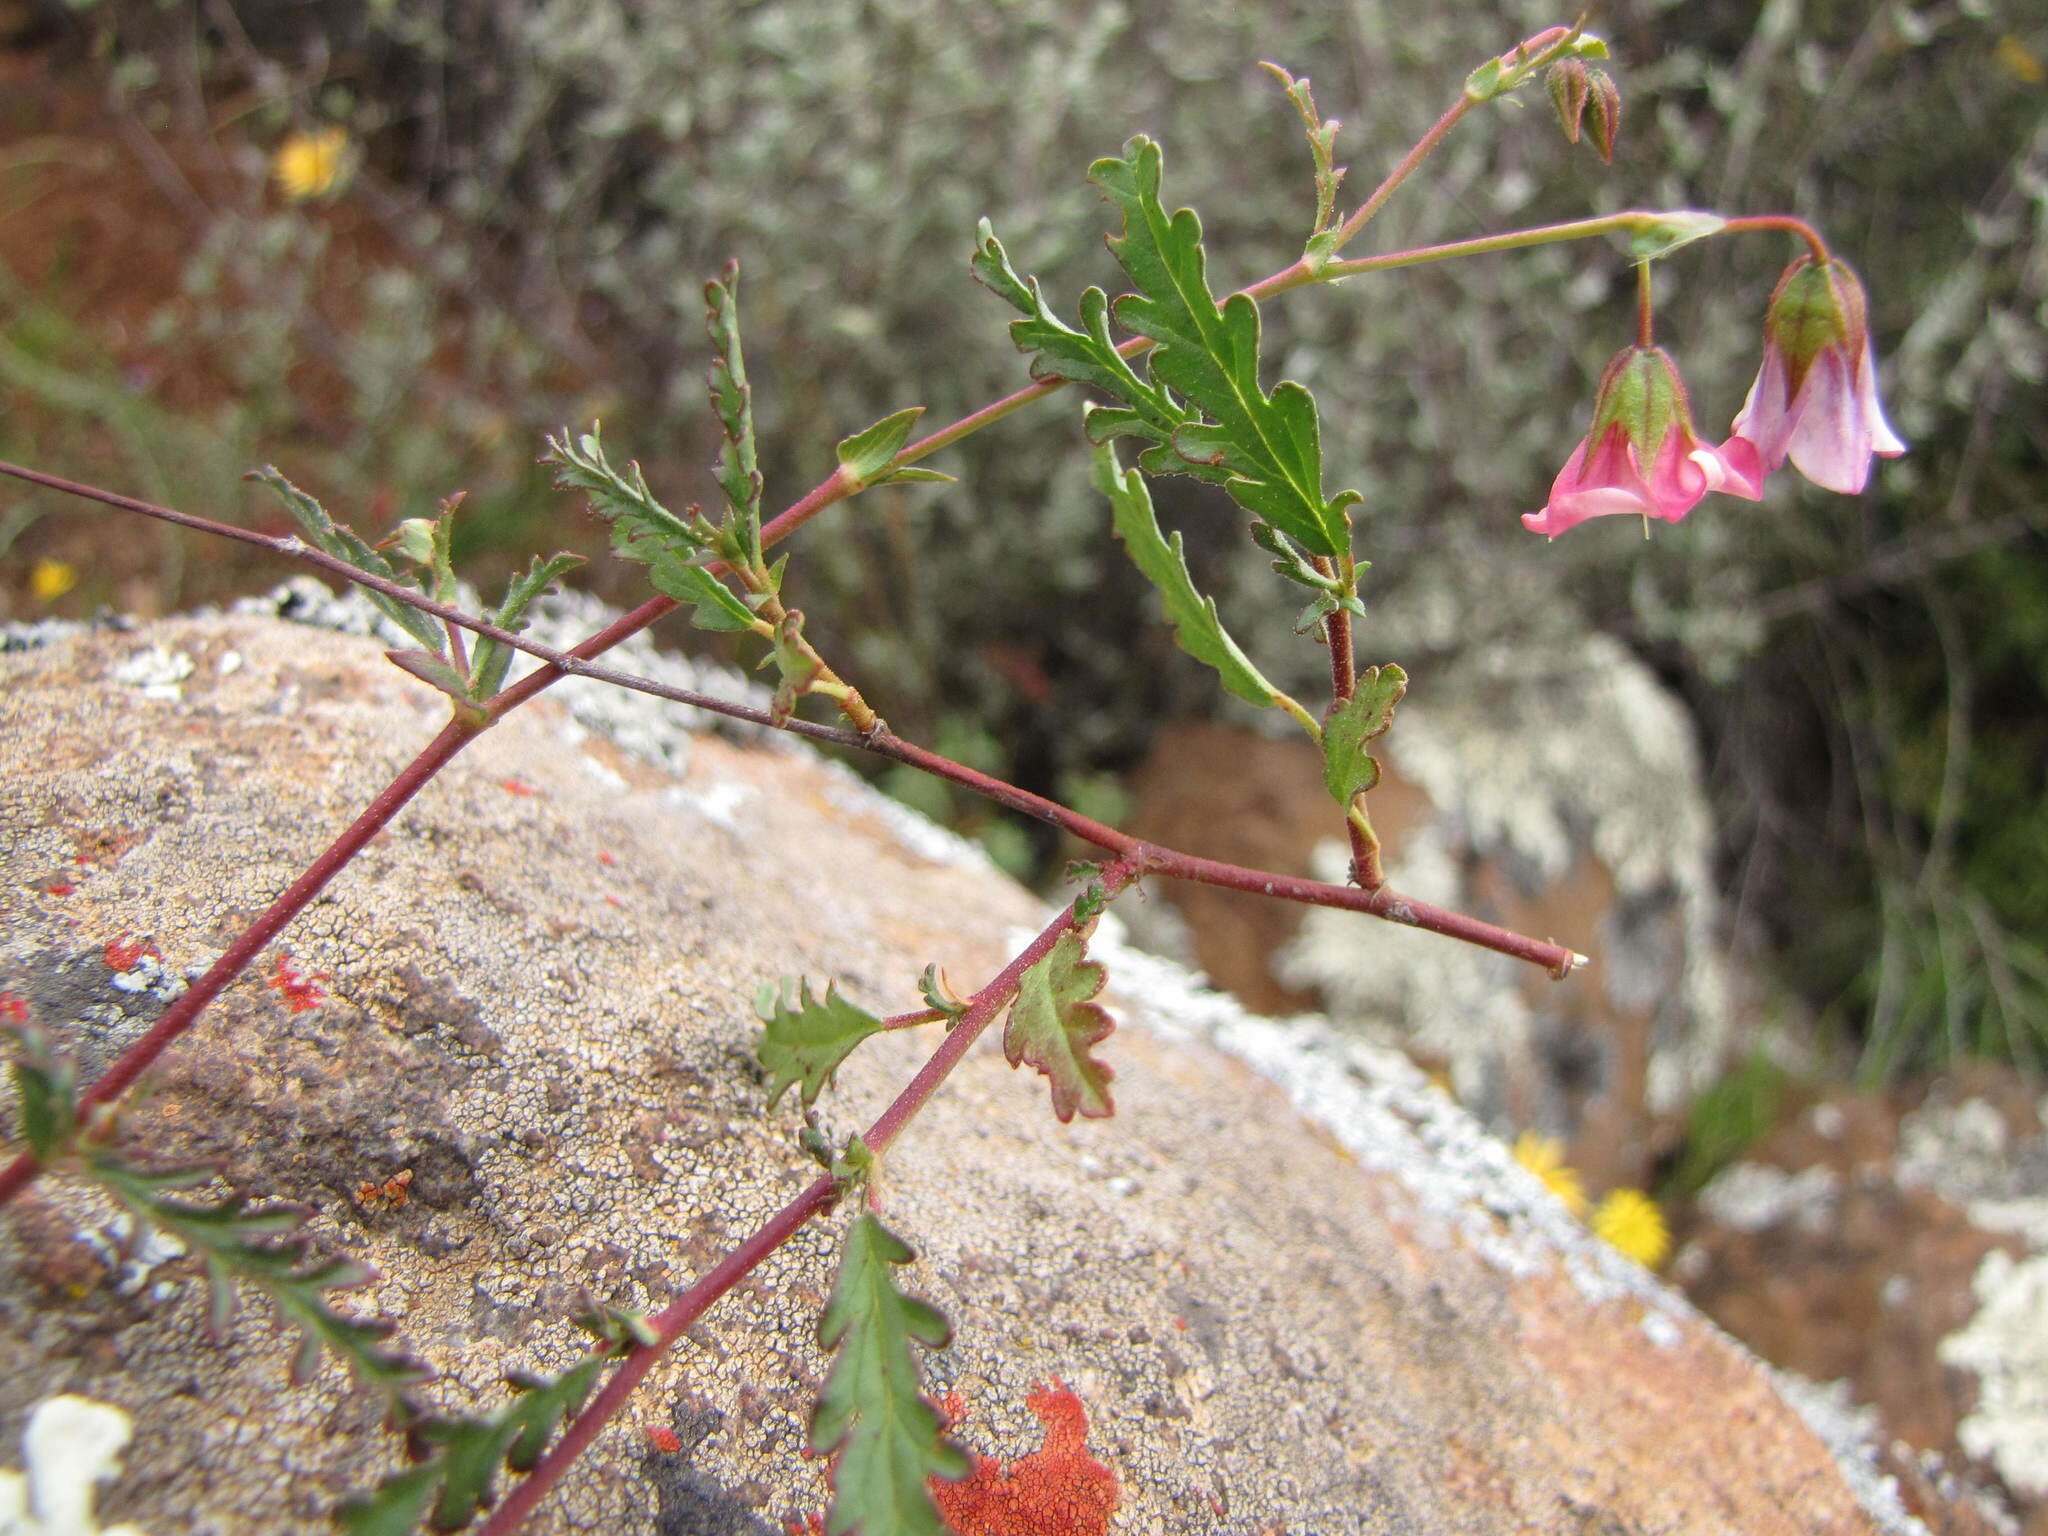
1383,903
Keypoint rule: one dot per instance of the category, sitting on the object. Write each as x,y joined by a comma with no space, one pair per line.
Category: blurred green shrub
1868,672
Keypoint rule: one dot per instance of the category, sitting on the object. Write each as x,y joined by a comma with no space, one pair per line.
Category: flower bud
1574,87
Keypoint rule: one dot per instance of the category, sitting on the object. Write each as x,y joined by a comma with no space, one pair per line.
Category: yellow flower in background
1631,1222
50,580
1544,1157
2019,60
307,164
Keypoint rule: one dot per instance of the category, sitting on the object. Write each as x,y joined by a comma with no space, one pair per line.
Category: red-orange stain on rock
300,991
1058,1490
122,954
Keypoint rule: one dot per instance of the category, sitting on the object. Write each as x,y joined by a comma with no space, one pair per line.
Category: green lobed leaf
1268,443
266,1249
805,1044
1054,1023
872,1417
737,470
621,496
1352,724
462,1455
675,573
343,543
1196,627
1088,357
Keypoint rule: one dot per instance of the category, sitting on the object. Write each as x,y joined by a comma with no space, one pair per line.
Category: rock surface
1291,1287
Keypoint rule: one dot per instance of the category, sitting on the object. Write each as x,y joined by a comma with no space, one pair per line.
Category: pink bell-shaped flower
1642,455
1815,397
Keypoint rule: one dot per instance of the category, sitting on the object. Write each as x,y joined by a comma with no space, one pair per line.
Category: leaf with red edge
1055,1021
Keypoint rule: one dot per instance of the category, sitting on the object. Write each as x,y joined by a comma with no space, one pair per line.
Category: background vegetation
533,192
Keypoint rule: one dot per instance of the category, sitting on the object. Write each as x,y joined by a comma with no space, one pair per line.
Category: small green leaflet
46,1088
1090,358
1196,627
1322,145
1269,443
1053,1024
454,1482
872,1416
1348,768
738,473
716,606
487,666
343,543
621,496
865,457
806,1043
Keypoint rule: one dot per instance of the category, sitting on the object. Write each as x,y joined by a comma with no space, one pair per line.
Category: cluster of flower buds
1814,401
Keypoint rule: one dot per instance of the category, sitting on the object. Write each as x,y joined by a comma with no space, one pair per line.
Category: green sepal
1270,442
1484,83
1197,629
491,659
1055,1023
864,456
1348,769
1671,231
805,1038
886,1440
343,543
414,539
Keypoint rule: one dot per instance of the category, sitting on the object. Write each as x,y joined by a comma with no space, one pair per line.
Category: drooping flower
1642,455
1815,397
1631,1222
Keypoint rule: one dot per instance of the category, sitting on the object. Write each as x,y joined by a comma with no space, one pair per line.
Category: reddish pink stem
680,1314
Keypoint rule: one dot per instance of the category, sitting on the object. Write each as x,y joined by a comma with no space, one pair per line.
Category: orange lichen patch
1057,1490
391,1195
301,991
122,954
